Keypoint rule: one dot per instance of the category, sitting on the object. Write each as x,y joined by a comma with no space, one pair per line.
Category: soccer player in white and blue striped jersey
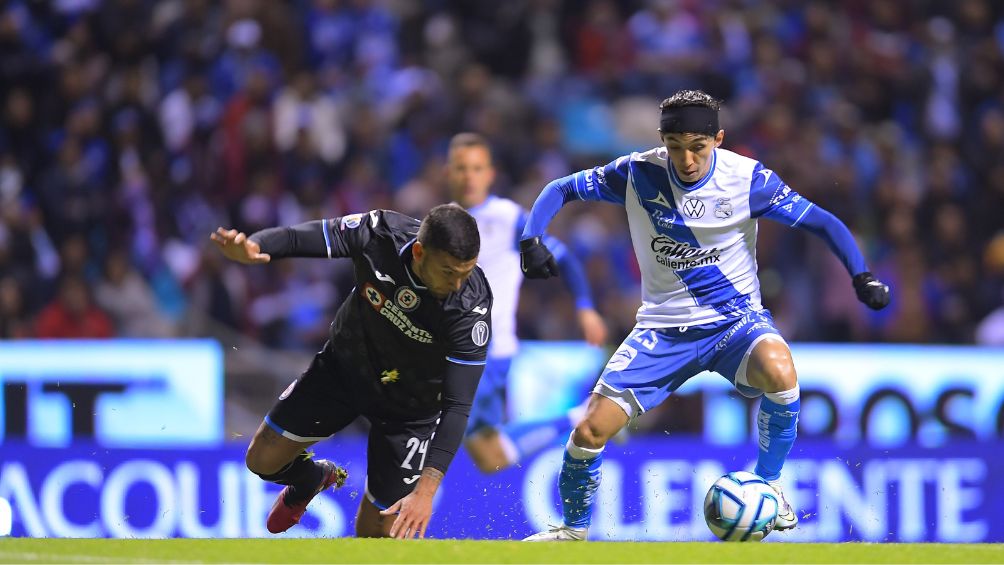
692,210
493,443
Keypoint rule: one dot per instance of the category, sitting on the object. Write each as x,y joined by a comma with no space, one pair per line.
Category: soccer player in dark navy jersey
406,351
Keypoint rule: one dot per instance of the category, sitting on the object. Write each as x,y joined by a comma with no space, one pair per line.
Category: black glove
871,291
536,260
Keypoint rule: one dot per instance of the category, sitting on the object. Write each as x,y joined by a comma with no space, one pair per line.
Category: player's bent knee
771,368
267,455
590,436
258,462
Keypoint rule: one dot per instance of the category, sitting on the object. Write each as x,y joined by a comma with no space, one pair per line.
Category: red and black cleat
283,516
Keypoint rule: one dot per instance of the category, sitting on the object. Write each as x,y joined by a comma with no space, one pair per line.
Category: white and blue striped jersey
696,244
500,224
498,220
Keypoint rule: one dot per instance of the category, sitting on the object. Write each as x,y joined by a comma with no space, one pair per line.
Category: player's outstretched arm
869,290
771,198
602,184
309,239
236,246
414,510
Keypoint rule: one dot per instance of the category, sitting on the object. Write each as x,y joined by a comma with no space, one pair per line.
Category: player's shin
302,475
578,484
776,422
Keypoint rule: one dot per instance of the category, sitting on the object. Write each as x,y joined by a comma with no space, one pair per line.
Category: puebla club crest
723,208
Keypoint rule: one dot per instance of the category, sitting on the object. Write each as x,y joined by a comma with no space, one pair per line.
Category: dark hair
450,228
469,139
691,98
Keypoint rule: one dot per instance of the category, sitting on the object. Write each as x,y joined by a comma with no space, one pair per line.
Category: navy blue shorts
321,402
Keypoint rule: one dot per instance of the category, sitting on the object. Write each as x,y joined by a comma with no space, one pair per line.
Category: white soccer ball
741,506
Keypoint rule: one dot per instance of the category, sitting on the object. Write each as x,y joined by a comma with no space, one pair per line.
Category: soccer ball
740,506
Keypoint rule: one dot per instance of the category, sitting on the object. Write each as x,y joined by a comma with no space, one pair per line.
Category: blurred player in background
406,351
492,444
692,210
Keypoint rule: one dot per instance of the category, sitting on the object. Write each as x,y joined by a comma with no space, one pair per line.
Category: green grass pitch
348,550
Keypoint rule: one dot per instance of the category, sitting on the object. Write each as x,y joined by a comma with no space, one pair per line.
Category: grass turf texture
348,550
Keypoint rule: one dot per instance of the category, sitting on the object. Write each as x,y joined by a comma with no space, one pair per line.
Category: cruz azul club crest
406,299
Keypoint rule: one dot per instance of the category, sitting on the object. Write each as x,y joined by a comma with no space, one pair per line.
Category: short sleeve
468,336
771,198
347,235
607,183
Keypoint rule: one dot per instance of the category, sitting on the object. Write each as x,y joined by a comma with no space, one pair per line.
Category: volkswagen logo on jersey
406,299
693,207
479,333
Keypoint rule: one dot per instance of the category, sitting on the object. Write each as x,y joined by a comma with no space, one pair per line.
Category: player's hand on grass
535,259
871,291
593,327
413,513
236,246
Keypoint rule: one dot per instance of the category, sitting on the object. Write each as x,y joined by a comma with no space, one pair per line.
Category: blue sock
528,438
777,423
578,482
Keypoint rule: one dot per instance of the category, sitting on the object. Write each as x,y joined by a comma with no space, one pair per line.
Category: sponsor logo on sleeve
289,390
780,194
351,221
479,333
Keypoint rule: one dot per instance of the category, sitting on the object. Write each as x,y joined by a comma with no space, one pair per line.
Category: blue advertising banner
652,489
168,393
118,393
880,395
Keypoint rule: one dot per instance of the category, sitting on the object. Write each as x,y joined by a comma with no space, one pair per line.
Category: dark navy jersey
391,330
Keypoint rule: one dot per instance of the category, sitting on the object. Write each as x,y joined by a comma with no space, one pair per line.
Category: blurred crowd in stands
130,129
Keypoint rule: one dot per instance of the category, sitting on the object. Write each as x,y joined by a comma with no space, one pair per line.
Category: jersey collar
407,259
483,204
704,180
